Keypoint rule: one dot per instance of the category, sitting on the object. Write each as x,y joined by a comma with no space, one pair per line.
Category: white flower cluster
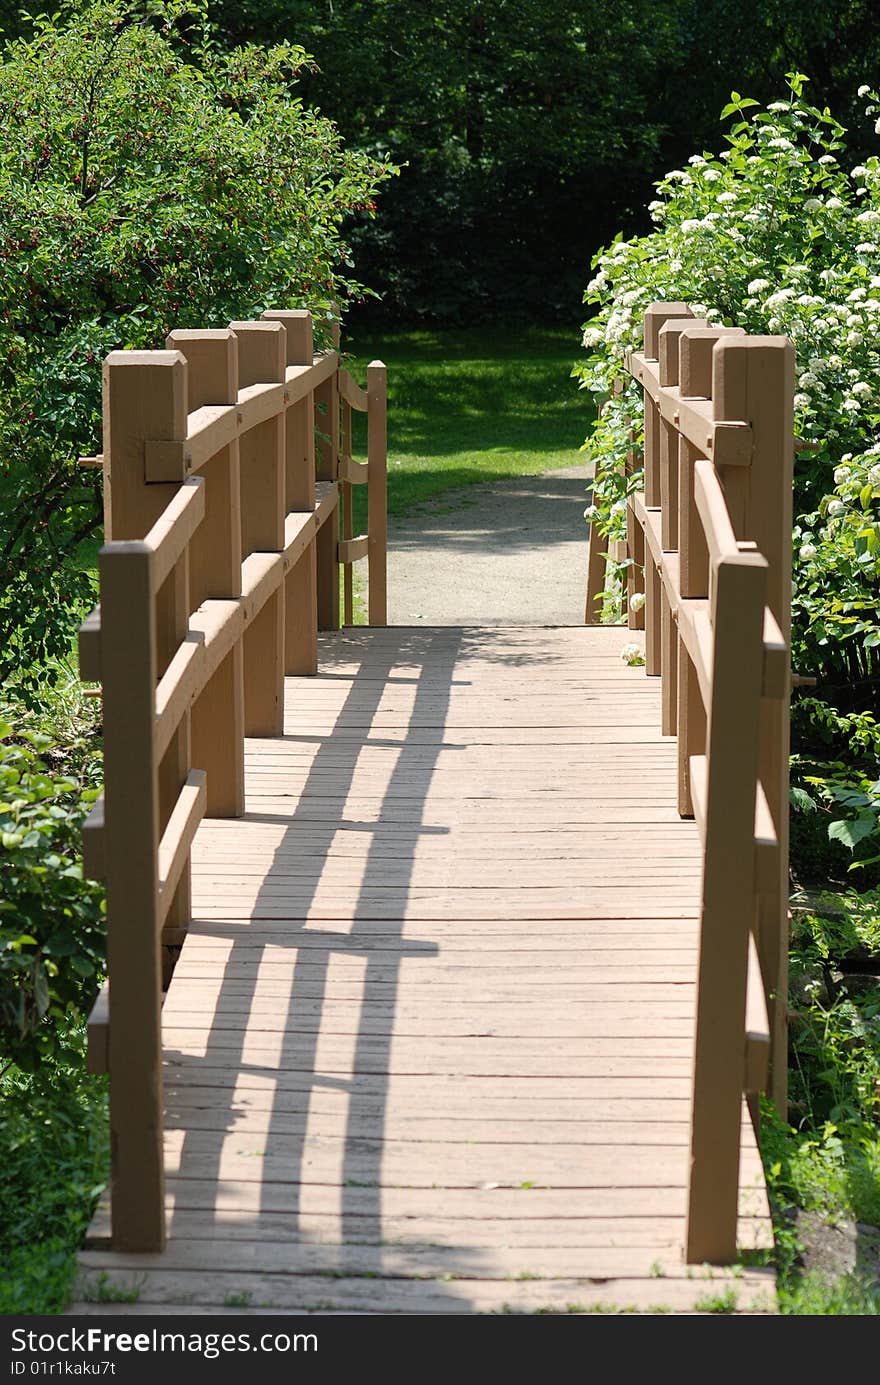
743,229
632,655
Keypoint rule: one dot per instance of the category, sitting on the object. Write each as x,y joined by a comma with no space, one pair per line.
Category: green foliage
717,1303
54,1163
828,1160
529,131
147,181
814,1296
502,114
52,950
103,1289
775,235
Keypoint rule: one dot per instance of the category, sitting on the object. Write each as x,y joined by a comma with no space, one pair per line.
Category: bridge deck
429,1038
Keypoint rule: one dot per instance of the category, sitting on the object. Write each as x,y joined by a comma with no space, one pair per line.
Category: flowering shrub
776,235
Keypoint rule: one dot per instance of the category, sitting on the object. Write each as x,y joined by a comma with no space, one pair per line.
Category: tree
147,180
526,128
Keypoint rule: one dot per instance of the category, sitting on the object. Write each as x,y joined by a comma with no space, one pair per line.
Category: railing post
377,492
215,573
694,378
145,399
327,455
727,895
658,620
754,382
346,511
635,546
262,359
300,584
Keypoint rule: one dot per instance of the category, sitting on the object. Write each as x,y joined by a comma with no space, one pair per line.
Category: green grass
474,405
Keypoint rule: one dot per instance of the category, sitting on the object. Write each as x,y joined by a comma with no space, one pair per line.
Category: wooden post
128,666
653,616
753,381
635,573
690,719
215,573
145,399
695,345
668,667
656,317
728,893
262,359
134,383
596,553
346,513
668,354
300,590
377,492
172,619
327,455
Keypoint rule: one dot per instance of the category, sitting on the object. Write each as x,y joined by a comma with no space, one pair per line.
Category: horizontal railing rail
709,546
223,474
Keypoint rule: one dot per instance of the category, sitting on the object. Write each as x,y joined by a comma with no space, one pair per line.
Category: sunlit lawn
474,405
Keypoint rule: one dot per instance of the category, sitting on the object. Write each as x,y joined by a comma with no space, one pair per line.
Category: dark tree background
530,132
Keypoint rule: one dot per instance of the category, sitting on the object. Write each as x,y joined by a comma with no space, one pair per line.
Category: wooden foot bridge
443,963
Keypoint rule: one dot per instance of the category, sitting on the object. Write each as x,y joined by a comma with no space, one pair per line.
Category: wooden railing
709,540
222,473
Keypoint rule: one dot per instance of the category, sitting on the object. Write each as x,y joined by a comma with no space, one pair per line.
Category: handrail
213,588
708,544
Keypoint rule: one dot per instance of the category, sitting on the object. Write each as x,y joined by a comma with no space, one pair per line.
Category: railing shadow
325,1037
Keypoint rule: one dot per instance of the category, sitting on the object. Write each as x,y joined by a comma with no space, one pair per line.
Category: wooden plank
355,473
301,613
98,1033
465,1232
352,393
89,647
351,550
174,845
394,1262
757,1057
175,527
377,503
753,1290
712,508
132,840
94,843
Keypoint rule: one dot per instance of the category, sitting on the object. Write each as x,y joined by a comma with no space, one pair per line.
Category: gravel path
506,553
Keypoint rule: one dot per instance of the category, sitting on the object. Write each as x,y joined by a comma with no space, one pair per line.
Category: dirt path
505,553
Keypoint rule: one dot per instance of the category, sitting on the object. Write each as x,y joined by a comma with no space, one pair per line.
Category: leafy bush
52,950
147,181
829,1160
54,1163
774,235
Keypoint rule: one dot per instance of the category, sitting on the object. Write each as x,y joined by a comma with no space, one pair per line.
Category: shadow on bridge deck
428,1043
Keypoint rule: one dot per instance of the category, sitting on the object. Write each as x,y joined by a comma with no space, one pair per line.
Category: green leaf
851,832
